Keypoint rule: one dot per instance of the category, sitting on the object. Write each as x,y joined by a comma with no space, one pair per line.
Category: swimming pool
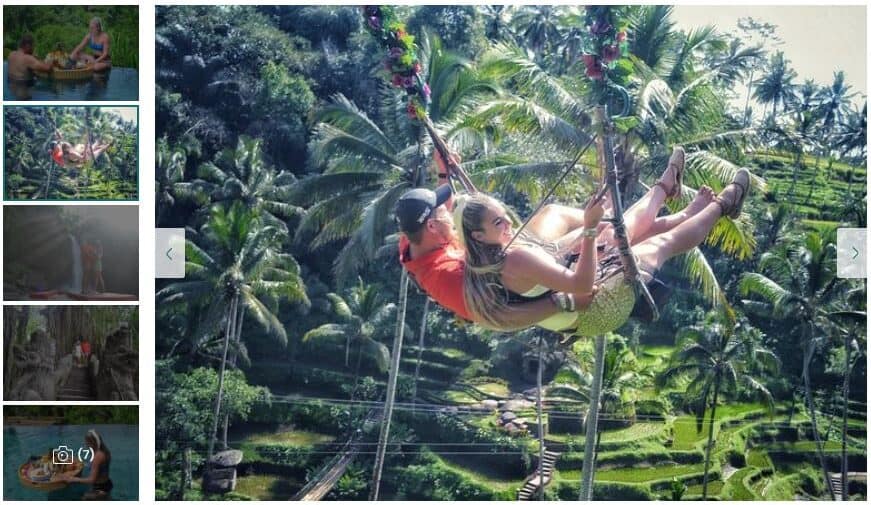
119,84
21,442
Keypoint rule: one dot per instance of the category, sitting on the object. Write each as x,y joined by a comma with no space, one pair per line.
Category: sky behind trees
816,39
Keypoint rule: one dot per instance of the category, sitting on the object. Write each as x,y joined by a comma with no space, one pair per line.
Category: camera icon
62,455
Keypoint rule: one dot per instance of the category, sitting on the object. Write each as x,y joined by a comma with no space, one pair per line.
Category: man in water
22,63
20,68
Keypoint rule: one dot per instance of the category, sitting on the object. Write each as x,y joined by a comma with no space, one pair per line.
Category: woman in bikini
97,41
98,477
529,268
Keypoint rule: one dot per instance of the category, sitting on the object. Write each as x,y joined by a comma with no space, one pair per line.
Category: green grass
476,472
637,431
736,489
714,489
638,475
297,437
459,397
267,487
494,388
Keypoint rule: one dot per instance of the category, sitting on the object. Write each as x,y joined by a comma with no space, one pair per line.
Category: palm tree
366,167
717,359
806,113
170,162
850,138
692,115
539,27
242,175
363,317
797,283
775,87
234,266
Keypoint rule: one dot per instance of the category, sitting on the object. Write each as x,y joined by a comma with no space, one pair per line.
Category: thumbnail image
82,252
70,153
73,53
70,452
71,353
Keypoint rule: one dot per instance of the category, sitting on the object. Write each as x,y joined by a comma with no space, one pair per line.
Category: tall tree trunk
710,437
588,470
792,405
213,433
540,420
813,411
237,338
392,378
747,101
186,473
845,482
420,343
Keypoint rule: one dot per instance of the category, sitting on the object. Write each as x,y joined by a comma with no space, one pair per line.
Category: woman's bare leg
656,250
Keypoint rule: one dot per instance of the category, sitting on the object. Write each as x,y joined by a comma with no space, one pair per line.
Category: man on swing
431,252
65,153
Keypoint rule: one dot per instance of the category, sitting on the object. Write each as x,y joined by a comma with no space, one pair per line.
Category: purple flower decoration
374,22
426,91
396,52
408,82
600,27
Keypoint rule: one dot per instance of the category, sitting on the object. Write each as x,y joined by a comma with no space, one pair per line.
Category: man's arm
35,64
443,174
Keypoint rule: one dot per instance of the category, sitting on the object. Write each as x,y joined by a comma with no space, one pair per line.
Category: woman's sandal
732,208
678,158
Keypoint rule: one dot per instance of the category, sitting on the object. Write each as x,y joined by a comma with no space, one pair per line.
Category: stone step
74,398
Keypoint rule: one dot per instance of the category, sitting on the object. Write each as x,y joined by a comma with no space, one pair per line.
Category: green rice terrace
451,444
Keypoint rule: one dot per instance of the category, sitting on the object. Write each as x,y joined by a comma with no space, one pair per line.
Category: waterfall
76,280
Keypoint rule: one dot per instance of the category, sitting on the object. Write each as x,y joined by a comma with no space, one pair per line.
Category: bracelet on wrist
589,232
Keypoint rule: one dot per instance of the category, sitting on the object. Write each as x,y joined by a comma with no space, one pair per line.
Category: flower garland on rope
401,61
607,42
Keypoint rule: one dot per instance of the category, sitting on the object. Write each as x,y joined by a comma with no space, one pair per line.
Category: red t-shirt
86,348
57,155
440,274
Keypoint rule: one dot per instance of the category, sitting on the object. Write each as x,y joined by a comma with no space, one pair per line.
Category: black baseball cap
415,206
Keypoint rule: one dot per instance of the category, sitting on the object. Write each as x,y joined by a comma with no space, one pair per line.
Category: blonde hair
99,23
485,296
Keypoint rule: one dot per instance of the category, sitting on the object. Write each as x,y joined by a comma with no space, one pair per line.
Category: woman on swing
65,153
494,279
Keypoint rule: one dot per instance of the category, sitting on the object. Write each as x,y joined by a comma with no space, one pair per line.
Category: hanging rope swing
615,299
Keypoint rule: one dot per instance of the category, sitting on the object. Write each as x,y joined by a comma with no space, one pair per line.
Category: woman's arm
529,266
105,53
79,47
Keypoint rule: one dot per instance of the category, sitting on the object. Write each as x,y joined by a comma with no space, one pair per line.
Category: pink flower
610,53
621,36
594,66
407,82
411,110
426,91
416,67
397,80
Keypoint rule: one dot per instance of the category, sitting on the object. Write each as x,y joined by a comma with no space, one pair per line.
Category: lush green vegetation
74,414
67,25
31,133
282,150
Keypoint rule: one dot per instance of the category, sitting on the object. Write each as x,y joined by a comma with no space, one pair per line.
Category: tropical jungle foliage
31,174
282,149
